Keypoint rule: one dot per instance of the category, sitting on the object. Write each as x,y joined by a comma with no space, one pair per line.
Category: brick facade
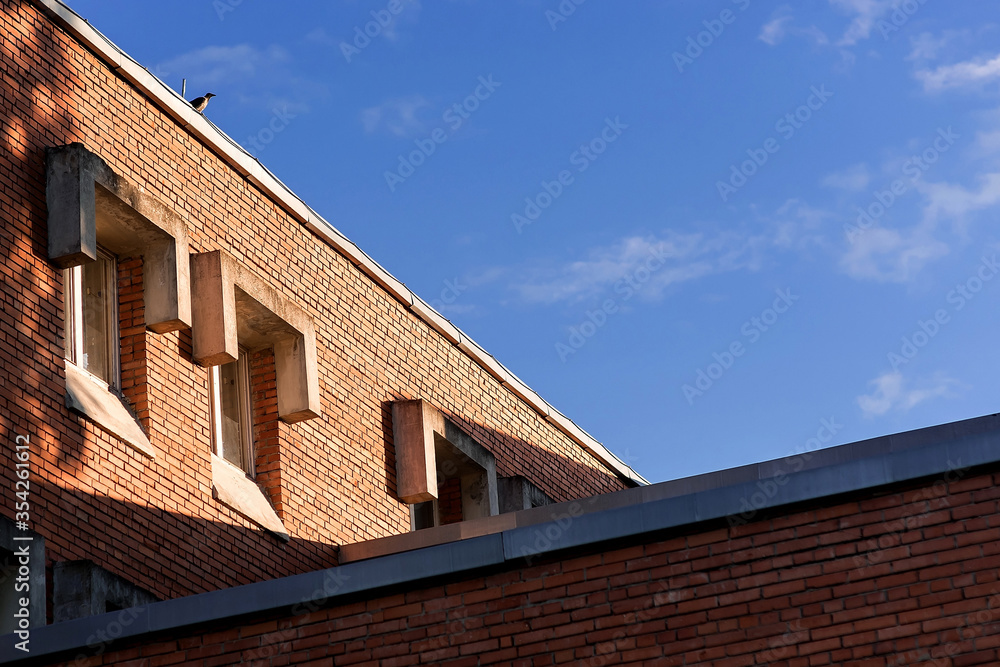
331,480
910,576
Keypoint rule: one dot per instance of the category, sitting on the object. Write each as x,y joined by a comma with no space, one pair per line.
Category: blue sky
711,233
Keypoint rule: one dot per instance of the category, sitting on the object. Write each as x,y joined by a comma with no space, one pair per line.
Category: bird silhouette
199,103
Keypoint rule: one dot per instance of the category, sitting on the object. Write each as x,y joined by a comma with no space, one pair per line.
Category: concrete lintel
233,488
419,431
85,395
233,307
89,204
413,426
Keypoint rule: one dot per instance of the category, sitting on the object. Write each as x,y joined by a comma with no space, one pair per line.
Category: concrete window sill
90,397
234,489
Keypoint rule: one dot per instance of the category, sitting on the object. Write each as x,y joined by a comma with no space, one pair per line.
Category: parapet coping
947,452
253,170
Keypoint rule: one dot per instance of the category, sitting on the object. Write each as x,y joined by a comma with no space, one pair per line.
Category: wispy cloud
263,78
855,178
400,117
772,32
890,255
215,65
864,15
685,257
926,46
782,24
891,392
951,202
968,74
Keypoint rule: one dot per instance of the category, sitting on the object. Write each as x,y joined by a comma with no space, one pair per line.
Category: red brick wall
450,500
910,577
155,522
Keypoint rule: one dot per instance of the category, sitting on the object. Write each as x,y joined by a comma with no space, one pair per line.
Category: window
91,302
232,424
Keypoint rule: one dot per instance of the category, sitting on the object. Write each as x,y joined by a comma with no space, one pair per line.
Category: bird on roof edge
199,103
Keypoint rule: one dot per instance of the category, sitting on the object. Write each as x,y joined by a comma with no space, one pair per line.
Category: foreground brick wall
905,578
155,522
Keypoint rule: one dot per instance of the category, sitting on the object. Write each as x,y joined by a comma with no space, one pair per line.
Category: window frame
244,389
75,336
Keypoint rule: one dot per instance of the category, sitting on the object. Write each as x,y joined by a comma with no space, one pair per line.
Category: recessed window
91,303
232,427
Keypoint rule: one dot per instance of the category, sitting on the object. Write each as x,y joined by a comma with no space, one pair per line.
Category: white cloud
928,47
782,24
865,13
682,257
399,117
214,65
987,143
954,203
891,256
966,74
773,31
798,226
853,179
890,392
260,78
674,258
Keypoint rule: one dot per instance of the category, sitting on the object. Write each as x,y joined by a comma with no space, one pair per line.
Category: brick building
245,441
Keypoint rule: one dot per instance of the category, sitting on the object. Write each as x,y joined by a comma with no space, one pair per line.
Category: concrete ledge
91,398
235,307
919,455
233,488
422,435
413,426
89,204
